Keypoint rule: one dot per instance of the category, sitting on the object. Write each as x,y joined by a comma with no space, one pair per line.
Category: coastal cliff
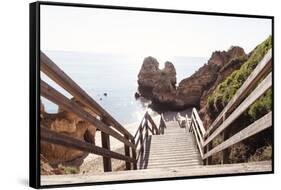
160,85
210,89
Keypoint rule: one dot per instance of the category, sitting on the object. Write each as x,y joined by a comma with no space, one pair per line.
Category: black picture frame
34,88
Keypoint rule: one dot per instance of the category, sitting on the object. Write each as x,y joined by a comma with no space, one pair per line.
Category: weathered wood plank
199,121
127,153
259,72
162,173
174,157
197,140
162,124
53,95
137,135
256,127
173,160
134,155
255,94
105,142
193,120
64,140
140,125
154,127
61,78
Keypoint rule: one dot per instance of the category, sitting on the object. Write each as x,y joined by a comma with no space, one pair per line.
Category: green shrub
258,147
262,106
227,89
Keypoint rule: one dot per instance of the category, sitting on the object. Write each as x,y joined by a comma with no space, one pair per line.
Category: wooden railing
147,125
249,92
102,120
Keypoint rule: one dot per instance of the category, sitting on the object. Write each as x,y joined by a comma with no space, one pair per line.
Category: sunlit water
115,75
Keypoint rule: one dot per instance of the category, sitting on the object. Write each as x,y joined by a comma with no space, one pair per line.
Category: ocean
111,80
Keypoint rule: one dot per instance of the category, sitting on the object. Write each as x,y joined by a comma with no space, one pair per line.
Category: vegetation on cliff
255,148
227,89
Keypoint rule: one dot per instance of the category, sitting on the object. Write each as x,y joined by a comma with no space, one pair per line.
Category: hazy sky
146,33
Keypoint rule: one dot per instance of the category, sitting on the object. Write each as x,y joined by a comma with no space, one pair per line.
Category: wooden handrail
101,119
197,130
199,122
258,92
64,140
142,132
154,127
248,93
254,128
259,72
56,74
53,95
199,144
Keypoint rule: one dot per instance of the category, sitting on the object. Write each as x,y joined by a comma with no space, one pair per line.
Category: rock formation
160,85
156,84
194,90
66,123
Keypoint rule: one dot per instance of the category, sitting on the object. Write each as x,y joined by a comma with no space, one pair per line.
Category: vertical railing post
207,148
161,126
127,153
146,129
141,139
134,155
225,152
106,144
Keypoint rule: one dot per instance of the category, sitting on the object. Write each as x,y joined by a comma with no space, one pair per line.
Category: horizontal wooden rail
138,129
258,92
154,127
199,121
199,145
56,74
263,68
197,130
142,132
64,140
56,97
256,127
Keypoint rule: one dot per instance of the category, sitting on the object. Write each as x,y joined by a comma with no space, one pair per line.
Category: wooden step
160,173
165,157
165,151
182,162
171,165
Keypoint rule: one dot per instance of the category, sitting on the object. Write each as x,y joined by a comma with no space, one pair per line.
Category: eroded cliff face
69,124
193,91
160,85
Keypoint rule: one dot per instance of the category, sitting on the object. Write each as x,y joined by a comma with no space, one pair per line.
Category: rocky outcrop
160,85
194,90
156,84
69,124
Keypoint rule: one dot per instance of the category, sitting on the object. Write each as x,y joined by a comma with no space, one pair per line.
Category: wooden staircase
175,148
158,151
